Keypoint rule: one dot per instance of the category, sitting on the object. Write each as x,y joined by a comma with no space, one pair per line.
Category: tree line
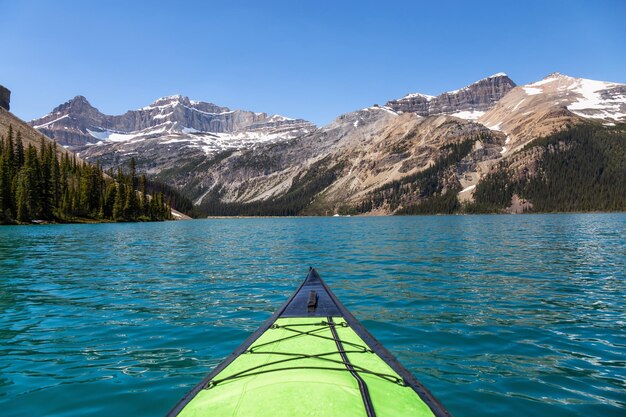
38,185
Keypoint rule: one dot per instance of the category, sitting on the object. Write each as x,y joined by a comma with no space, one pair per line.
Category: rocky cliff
5,98
469,102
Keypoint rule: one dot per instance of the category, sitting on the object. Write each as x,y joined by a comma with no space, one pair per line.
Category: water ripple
497,315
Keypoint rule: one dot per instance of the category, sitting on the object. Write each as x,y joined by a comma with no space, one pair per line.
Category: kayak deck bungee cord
311,358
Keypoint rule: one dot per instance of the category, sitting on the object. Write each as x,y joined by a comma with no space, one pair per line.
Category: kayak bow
311,358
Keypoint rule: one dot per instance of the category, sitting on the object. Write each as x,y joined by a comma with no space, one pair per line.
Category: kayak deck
312,358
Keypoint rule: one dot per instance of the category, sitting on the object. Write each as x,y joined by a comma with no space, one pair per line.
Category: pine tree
118,206
56,179
66,204
145,208
47,186
24,195
131,205
132,165
5,187
33,187
109,201
19,150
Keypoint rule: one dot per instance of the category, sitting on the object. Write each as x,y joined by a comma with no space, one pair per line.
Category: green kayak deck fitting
311,358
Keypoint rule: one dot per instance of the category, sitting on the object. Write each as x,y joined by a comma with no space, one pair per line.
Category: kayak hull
312,358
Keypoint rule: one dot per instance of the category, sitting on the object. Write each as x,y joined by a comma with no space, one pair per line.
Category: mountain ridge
379,159
77,123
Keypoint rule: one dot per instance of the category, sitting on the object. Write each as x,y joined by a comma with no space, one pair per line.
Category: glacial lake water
496,315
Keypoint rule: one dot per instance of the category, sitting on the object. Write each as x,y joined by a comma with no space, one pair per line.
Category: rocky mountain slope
345,162
28,134
385,159
415,154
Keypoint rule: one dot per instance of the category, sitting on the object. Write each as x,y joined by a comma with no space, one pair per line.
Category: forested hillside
36,184
579,169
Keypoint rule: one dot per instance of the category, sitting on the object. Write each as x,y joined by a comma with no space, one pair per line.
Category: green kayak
311,358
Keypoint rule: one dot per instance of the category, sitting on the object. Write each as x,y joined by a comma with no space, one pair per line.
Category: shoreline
409,215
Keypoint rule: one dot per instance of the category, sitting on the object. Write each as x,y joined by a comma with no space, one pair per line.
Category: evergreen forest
580,169
40,184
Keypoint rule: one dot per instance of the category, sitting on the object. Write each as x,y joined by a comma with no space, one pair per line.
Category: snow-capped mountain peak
167,101
584,97
418,95
554,103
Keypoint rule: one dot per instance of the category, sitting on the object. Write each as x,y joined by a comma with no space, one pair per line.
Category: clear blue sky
308,59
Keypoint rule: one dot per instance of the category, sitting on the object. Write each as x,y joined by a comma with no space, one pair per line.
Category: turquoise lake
497,315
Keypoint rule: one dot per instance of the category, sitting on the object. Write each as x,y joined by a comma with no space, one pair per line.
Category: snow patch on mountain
51,122
468,114
380,108
594,104
279,118
210,142
600,100
504,148
531,91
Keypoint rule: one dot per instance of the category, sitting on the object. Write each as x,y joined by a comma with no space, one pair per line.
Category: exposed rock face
468,102
362,150
76,122
5,98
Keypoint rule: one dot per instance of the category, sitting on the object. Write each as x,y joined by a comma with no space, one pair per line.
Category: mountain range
380,159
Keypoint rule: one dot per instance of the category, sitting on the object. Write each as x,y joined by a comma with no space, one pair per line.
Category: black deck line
297,306
365,394
438,409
